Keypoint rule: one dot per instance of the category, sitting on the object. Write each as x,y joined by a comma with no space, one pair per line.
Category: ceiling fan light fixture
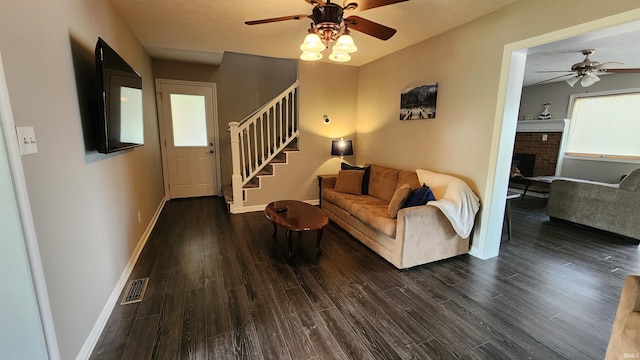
573,80
339,56
310,56
589,79
312,43
345,44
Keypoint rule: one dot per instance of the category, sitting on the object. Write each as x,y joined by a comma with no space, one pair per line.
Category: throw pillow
419,196
399,197
350,181
365,179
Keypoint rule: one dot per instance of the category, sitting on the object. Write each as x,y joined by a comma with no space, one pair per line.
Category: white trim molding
26,218
101,322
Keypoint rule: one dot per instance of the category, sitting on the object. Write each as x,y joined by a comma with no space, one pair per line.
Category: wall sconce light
341,148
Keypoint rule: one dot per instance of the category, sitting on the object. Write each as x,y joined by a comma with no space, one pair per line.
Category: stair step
252,184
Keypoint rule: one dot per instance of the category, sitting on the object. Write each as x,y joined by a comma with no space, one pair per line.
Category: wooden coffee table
296,216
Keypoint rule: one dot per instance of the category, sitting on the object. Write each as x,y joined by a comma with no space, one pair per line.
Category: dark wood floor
220,288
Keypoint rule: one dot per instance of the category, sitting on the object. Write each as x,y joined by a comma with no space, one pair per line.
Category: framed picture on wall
419,102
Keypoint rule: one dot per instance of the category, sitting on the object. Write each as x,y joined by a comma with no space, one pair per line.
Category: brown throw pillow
399,197
350,181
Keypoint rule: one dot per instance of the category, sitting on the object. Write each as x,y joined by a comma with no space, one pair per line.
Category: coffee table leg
275,230
318,239
289,243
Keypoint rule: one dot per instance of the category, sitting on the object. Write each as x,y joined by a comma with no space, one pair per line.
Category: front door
188,116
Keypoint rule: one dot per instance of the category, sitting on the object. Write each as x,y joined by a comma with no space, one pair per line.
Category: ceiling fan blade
604,65
553,78
282,18
368,4
628,71
369,27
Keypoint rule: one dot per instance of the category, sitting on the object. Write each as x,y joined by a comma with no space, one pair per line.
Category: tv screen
120,101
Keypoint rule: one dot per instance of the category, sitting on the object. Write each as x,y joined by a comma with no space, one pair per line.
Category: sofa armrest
604,207
425,229
624,337
328,181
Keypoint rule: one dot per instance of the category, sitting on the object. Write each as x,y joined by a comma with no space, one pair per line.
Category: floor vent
135,291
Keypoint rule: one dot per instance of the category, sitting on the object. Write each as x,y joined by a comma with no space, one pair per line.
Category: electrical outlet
545,137
139,217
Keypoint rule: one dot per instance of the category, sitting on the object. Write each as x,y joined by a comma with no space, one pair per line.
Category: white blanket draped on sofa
454,198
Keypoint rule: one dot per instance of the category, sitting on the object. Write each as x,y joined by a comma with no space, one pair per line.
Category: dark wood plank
193,344
322,340
170,325
244,340
345,335
222,289
144,332
269,336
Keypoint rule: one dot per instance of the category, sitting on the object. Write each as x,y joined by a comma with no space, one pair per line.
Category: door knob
210,144
210,151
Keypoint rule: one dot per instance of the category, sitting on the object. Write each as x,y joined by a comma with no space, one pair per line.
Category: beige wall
467,64
325,89
244,83
176,70
84,204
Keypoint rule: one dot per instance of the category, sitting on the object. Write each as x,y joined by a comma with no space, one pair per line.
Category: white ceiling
619,43
202,30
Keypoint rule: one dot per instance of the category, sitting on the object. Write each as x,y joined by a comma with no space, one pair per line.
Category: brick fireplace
545,153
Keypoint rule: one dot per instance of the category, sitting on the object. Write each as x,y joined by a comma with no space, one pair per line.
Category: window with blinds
605,126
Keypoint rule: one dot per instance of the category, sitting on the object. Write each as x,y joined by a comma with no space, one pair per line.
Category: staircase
260,142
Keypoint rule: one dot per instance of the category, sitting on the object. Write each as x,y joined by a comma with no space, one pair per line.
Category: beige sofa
610,207
419,234
624,342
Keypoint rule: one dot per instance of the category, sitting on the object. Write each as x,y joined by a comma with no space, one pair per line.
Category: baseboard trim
101,322
254,208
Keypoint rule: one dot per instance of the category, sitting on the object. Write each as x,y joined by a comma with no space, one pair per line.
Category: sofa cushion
376,216
408,177
339,199
420,196
382,182
365,178
350,181
631,182
398,199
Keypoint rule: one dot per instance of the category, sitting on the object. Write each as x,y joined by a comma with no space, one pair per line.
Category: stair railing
258,138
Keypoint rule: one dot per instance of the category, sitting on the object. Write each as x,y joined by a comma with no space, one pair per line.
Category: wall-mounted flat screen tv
120,101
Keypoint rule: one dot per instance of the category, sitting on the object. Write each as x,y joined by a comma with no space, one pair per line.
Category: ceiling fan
587,71
328,25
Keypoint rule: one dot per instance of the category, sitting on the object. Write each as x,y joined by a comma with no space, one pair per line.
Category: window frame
598,157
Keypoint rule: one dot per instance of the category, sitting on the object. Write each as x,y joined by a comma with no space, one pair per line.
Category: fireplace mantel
554,125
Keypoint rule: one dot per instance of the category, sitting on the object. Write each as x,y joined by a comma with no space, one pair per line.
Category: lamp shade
312,43
589,79
339,56
573,80
341,147
345,44
311,56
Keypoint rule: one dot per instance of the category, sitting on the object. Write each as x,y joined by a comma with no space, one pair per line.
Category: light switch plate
26,140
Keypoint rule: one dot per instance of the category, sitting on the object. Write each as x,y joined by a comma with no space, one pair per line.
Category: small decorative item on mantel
545,114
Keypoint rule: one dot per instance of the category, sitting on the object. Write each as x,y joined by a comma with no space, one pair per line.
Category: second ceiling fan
587,71
329,25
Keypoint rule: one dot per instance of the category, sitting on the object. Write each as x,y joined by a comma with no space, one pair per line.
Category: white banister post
236,176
